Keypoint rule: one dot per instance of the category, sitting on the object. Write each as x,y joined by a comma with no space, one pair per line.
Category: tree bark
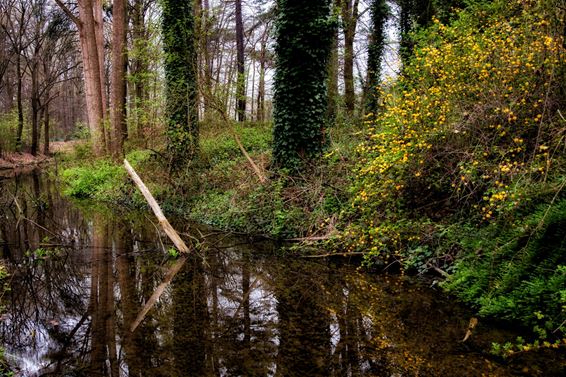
119,64
349,20
93,80
20,129
332,84
93,67
241,79
261,84
34,112
46,129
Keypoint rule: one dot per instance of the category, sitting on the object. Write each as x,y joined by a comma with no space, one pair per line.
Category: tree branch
69,14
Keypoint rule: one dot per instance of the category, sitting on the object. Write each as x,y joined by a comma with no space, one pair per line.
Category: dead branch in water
173,235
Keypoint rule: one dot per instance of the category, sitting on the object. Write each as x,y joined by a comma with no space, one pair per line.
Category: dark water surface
80,275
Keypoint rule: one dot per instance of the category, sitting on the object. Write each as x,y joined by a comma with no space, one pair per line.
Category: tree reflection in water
80,276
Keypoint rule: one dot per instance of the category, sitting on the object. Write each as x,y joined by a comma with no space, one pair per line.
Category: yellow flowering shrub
473,126
464,169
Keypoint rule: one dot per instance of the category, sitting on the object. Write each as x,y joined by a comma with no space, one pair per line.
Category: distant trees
304,37
156,67
37,56
241,79
180,80
350,13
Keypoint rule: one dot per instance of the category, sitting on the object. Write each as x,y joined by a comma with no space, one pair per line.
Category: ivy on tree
181,81
379,13
304,37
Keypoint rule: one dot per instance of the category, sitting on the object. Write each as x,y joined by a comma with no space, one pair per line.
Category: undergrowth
221,189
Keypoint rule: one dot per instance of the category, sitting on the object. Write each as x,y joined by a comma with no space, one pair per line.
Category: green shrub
518,271
99,181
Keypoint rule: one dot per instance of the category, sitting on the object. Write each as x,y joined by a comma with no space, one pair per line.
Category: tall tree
89,24
333,68
180,76
241,80
350,14
119,67
304,37
379,13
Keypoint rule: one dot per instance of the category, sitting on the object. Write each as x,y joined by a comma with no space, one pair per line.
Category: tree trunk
34,112
93,80
119,64
139,66
20,129
332,84
180,79
349,20
241,79
99,35
46,129
261,84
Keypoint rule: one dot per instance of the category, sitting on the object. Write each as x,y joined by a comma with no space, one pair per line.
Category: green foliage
181,80
173,252
99,181
230,197
81,132
138,157
8,126
519,272
221,147
304,36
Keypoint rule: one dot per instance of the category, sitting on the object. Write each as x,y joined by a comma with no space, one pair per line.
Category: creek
81,273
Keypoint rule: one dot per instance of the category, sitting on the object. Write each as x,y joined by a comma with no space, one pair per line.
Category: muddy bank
12,164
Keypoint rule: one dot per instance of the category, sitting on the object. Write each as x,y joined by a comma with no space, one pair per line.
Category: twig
333,255
302,239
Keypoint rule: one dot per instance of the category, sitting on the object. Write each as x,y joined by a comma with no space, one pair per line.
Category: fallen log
171,233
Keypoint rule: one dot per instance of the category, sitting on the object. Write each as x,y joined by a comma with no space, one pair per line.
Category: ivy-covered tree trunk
241,80
350,14
181,80
304,38
379,14
333,68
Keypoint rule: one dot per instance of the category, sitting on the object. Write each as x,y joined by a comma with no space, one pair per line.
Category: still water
81,274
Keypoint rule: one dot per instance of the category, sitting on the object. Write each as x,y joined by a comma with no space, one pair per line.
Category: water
80,275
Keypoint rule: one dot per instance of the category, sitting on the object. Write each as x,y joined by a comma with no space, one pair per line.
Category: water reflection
82,275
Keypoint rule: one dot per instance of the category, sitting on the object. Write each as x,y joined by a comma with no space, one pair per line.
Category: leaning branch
169,230
173,235
213,101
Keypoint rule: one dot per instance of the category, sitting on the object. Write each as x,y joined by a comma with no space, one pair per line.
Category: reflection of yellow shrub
474,122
